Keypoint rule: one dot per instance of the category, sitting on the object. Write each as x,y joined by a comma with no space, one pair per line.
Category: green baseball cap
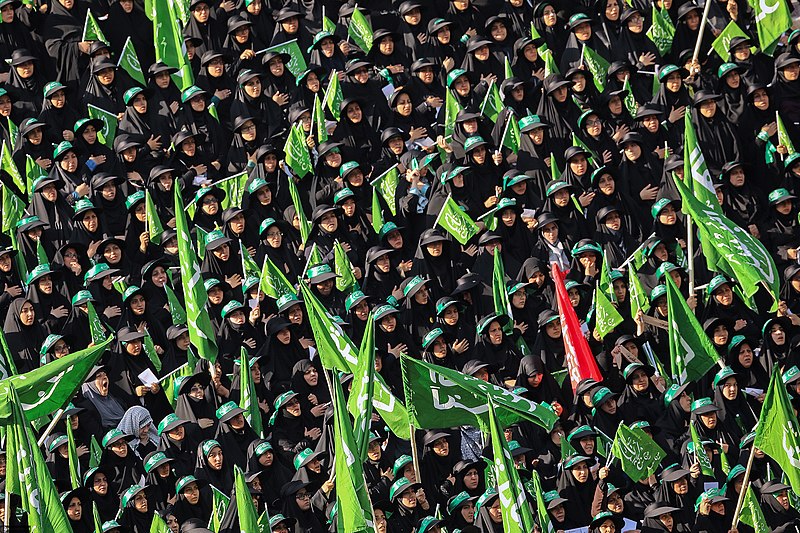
454,75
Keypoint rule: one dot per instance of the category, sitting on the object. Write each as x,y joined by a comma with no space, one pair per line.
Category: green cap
601,396
791,160
226,409
49,342
130,93
214,235
96,270
588,247
130,494
154,460
51,88
28,220
353,298
302,458
81,297
725,68
715,283
110,525
210,444
190,93
657,292
723,374
574,460
230,307
263,448
673,392
431,336
399,487
278,518
129,292
400,464
457,500
658,206
170,422
266,224
779,195
133,199
318,270
61,148
791,375
112,436
386,229
347,167
665,268
342,195
666,70
415,283
473,142
256,184
454,74
211,282
446,176
556,185
531,122
58,441
705,405
39,271
182,482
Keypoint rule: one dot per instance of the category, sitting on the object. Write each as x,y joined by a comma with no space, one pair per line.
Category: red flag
580,361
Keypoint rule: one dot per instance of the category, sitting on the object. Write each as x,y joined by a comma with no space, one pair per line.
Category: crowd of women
84,239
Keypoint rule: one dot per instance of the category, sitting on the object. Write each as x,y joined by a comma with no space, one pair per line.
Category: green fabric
692,353
456,221
778,432
129,62
386,184
109,131
638,454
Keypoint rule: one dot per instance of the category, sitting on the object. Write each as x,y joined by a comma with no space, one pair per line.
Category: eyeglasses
208,201
302,496
61,348
251,127
594,122
196,388
274,234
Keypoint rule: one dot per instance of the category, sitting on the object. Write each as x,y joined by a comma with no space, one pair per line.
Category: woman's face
613,221
353,112
578,82
403,105
134,348
58,98
730,388
266,458
692,19
276,66
45,284
215,458
129,154
396,145
5,105
498,31
685,401
708,108
612,10
242,35
791,72
138,305
581,472
201,12
329,222
635,23
482,53
579,165
761,99
550,232
333,158
361,75
724,295
508,216
74,509
777,334
101,382
495,333
253,87
530,53
25,70
106,76
553,329
290,25
574,296
606,184
674,82
69,162
386,45
651,123
5,262
745,356
560,94
583,31
462,85
237,318
192,493
382,263
434,249
620,290
293,407
26,314
668,216
100,484
709,420
284,336
140,502
610,406
519,298
720,335
327,46
311,376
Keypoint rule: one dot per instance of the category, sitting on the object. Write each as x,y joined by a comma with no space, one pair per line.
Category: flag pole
509,118
701,32
630,257
745,483
435,222
51,426
777,124
414,452
690,252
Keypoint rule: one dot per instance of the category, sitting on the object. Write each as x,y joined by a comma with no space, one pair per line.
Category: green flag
47,389
597,65
249,266
333,96
98,524
700,452
7,164
328,25
629,100
13,211
593,157
512,136
7,366
377,213
360,30
507,70
492,103
109,131
344,269
149,348
545,525
130,63
296,150
273,281
662,30
337,352
638,454
386,184
248,400
778,432
319,120
234,187
354,511
738,255
13,131
219,506
305,226
451,109
456,221
772,20
439,397
502,304
550,66
607,317
639,299
176,309
168,381
201,332
168,40
95,453
297,63
751,514
27,475
722,43
96,328
516,511
152,220
692,353
695,171
91,29
32,172
72,456
158,525
783,134
248,517
360,402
